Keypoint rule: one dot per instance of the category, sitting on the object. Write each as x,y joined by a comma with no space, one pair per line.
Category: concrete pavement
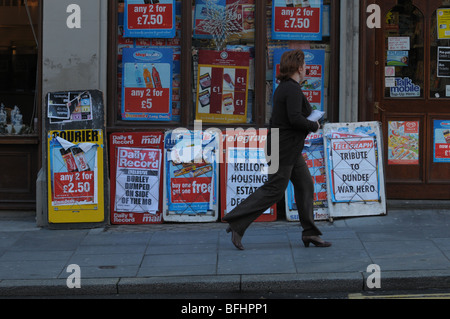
411,247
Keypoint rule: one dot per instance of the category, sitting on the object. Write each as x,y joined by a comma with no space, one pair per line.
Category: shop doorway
406,86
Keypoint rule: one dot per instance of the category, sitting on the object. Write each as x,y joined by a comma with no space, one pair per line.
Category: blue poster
147,84
297,20
313,84
149,19
313,153
441,141
191,172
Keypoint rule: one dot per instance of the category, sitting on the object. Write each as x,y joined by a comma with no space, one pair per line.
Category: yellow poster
443,23
75,176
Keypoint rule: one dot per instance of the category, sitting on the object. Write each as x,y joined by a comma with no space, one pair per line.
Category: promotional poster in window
149,19
147,84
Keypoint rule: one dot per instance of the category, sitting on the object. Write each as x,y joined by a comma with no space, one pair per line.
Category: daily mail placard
136,177
354,166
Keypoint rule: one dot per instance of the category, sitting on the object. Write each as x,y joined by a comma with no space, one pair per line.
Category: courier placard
75,172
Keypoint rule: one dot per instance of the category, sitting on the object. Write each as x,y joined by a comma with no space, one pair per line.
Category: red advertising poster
243,169
79,183
136,174
297,20
145,19
222,86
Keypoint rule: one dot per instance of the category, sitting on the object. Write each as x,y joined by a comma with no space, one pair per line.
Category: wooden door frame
367,85
371,88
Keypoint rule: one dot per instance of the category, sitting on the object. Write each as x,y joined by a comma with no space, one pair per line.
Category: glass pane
148,82
18,68
440,52
317,50
223,55
404,52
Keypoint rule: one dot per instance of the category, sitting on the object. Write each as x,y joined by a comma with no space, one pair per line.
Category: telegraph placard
354,167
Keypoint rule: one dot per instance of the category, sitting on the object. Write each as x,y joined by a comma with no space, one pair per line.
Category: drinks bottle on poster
80,159
156,78
148,79
139,81
69,160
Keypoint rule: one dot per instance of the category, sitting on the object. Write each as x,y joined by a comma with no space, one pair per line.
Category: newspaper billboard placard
354,167
244,169
75,170
191,176
136,168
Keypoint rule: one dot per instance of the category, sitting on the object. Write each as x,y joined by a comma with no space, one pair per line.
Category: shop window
305,25
18,70
440,52
148,61
222,62
223,55
404,52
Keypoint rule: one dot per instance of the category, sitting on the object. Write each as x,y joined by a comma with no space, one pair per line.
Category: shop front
186,61
405,84
165,65
175,64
